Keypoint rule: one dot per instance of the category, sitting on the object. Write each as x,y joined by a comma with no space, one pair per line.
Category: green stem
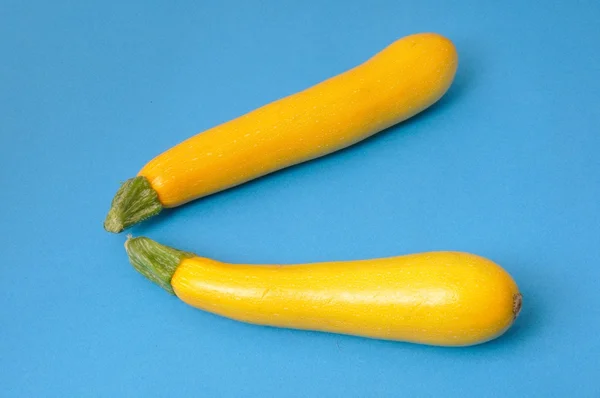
155,261
135,201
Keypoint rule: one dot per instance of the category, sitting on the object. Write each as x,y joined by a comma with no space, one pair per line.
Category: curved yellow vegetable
437,298
400,81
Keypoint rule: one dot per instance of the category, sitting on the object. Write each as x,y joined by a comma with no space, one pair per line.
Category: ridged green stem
135,201
155,261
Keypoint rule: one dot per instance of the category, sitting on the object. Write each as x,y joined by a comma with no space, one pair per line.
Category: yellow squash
437,298
400,81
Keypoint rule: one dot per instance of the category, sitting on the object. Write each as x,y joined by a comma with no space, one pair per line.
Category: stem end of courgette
155,261
135,201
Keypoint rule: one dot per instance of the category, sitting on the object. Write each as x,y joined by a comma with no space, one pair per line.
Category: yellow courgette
400,81
437,298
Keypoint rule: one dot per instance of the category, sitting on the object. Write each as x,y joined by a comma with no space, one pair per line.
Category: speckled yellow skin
438,298
397,83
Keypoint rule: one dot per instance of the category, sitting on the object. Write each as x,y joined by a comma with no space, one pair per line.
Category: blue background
506,166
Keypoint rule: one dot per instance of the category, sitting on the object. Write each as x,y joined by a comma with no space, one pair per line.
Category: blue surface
505,166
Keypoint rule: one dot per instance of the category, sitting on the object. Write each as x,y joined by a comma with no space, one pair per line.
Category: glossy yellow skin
438,298
397,83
